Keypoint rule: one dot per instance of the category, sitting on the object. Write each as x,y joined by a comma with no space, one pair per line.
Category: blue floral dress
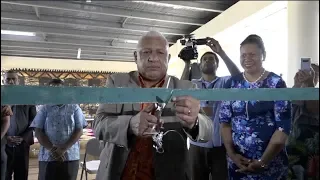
253,124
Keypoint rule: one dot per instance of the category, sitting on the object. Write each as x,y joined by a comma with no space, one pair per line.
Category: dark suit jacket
112,123
24,115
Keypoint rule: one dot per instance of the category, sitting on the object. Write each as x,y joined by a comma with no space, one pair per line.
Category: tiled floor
33,170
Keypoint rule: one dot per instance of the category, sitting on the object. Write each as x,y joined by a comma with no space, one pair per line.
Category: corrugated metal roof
99,28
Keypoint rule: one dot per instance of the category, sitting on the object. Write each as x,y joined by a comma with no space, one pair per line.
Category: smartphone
305,63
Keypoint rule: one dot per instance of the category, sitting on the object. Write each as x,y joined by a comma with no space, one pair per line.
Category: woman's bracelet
263,165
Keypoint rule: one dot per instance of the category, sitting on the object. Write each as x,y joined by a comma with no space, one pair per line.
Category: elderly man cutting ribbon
128,153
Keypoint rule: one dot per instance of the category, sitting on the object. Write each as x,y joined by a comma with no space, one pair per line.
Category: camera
190,51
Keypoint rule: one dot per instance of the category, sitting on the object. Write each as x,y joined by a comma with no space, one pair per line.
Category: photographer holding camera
208,158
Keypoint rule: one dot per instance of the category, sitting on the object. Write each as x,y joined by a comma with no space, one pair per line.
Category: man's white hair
152,34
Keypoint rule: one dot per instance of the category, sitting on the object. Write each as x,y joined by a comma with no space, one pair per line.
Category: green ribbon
11,95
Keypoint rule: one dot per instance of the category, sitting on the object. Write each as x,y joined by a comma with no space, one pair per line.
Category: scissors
159,109
160,105
158,112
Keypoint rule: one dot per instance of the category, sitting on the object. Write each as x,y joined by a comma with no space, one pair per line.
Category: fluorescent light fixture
79,53
174,6
132,41
159,4
88,1
19,33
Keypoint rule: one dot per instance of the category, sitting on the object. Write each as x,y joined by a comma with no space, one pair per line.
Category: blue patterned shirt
59,123
219,82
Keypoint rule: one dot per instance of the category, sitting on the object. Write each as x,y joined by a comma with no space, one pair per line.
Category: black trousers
54,170
208,162
18,161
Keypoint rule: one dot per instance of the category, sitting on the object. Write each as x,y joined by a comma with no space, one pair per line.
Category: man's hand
11,140
143,122
58,153
241,162
18,139
214,45
187,109
14,140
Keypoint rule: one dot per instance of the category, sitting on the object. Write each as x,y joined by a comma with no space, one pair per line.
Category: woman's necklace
259,78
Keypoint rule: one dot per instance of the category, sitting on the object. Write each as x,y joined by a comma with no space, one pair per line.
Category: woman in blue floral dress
254,132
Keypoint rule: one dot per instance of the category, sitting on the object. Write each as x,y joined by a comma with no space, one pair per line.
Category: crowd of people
236,140
58,129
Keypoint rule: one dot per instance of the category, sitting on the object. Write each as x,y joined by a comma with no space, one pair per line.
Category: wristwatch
263,165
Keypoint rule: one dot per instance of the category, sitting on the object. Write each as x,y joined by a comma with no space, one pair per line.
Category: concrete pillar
303,35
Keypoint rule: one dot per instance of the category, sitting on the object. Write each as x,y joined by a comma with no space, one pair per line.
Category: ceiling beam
214,6
62,49
44,36
68,41
65,56
112,43
36,9
117,12
204,6
71,54
187,5
37,45
70,32
124,22
66,51
57,20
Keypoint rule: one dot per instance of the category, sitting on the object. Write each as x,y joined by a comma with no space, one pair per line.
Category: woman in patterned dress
254,132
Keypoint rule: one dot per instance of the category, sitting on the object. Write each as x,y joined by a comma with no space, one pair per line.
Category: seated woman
254,132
